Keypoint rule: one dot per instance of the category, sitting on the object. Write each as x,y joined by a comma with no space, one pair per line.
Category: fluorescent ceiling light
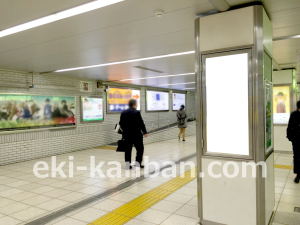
175,84
127,61
59,16
173,75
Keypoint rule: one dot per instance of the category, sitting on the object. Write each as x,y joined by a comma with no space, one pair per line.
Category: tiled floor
24,197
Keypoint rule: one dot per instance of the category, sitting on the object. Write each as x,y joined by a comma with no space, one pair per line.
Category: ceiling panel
15,12
127,30
127,12
171,65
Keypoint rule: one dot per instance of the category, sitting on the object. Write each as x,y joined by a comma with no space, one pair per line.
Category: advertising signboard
281,104
178,100
19,111
118,98
157,101
91,109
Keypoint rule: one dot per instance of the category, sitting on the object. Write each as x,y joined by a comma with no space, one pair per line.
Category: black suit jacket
132,124
293,130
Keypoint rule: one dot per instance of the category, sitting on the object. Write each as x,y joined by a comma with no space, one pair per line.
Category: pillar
234,84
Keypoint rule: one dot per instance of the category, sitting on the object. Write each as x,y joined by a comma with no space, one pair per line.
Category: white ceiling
126,30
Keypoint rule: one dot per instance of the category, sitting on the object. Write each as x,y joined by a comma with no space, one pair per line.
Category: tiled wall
16,147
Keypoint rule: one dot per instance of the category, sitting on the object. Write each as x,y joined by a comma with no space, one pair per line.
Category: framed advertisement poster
281,104
118,98
157,101
178,99
28,111
268,119
91,109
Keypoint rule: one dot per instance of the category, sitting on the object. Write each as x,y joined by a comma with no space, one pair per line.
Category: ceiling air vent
144,68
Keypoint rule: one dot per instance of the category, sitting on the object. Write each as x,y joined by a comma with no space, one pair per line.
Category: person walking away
182,122
133,131
293,134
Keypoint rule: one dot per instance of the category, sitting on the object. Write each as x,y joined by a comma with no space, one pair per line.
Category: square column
235,147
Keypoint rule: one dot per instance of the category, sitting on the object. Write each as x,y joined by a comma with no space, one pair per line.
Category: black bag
122,146
181,121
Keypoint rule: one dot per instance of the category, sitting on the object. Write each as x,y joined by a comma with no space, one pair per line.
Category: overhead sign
118,99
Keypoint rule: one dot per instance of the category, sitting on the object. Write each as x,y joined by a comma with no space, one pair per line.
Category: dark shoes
297,179
136,165
140,166
183,140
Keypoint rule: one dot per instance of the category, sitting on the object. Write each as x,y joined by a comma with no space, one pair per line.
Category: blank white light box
227,104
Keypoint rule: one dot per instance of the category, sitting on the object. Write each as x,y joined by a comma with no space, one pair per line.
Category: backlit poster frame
185,97
45,127
148,111
81,109
250,122
269,140
290,93
125,88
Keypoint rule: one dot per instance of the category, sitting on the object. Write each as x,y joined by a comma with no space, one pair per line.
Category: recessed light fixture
126,61
59,16
175,84
173,75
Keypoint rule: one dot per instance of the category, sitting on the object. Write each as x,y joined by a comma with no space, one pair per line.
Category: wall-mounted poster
178,100
269,125
34,111
118,98
281,104
91,109
157,101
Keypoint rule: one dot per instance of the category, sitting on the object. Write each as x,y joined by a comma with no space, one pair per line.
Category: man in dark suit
293,134
133,129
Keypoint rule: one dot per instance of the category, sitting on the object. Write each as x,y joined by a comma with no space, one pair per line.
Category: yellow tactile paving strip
135,207
283,167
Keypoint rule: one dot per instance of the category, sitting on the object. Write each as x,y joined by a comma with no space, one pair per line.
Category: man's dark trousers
296,150
139,145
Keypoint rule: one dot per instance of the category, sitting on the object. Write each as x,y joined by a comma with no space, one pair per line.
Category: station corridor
207,92
25,198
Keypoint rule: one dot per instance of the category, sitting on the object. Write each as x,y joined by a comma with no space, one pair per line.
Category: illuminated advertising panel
157,101
281,104
33,111
118,99
231,128
91,109
178,100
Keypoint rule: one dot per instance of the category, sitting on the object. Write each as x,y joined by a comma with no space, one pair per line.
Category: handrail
170,120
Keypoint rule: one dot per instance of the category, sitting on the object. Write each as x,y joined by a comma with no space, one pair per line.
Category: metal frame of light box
32,129
81,110
136,89
149,111
185,99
